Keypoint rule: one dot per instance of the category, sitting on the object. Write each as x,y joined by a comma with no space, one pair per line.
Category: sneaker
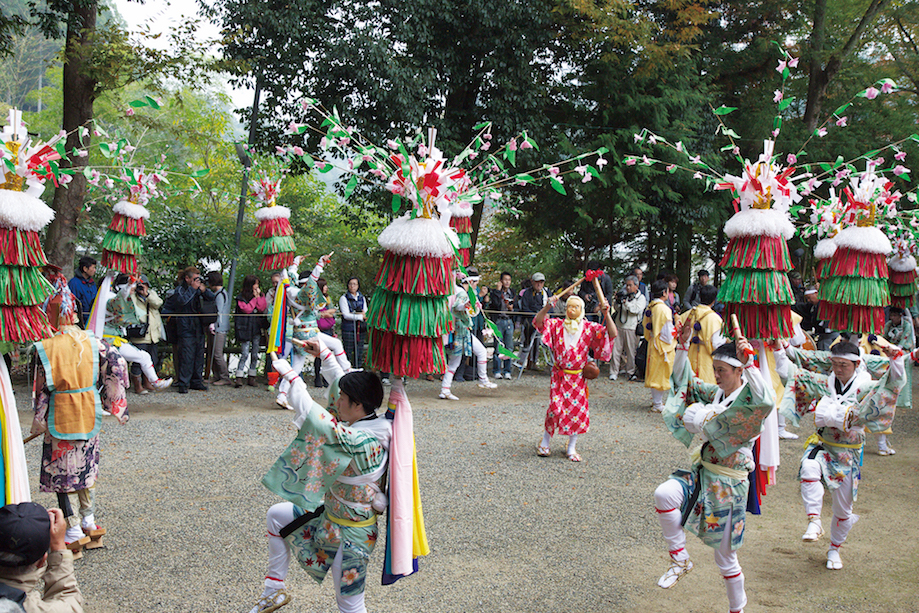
161,384
488,385
446,395
786,435
677,569
271,602
386,381
613,377
814,530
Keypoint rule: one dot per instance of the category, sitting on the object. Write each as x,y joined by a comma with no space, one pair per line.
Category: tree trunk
79,92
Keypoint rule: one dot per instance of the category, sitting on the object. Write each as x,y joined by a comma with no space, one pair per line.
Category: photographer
629,303
186,300
147,309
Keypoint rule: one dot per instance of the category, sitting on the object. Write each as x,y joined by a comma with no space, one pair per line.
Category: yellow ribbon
815,438
117,341
352,524
571,372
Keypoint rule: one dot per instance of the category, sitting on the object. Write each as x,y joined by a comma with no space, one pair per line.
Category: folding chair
534,348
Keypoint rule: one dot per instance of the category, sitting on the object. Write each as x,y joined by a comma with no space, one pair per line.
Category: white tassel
419,237
759,222
868,239
272,212
129,209
21,211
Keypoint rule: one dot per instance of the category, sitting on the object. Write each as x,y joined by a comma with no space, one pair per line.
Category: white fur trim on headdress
272,212
461,208
129,209
21,211
759,222
419,237
824,249
904,264
728,360
868,239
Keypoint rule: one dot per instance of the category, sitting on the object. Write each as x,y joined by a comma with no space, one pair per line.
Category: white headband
848,356
808,292
729,360
473,278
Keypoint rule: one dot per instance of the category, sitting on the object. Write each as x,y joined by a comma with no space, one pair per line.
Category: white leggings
279,516
481,359
812,494
668,497
298,360
132,354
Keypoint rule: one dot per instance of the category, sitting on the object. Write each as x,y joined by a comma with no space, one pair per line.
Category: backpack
209,309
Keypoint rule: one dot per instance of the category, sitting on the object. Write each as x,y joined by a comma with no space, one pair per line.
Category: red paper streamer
276,261
122,262
406,356
21,248
762,321
851,263
274,227
852,317
21,324
403,274
127,225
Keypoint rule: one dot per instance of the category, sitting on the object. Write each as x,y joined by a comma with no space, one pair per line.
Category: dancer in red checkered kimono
571,340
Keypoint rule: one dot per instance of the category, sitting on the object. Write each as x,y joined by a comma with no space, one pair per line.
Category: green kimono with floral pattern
730,439
307,474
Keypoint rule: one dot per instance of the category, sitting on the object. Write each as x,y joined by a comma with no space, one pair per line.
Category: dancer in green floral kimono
712,495
845,404
331,476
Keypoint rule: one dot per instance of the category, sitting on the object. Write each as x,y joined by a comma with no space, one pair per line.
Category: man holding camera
32,551
186,300
629,305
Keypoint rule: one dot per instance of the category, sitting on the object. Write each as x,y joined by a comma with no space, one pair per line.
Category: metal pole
243,194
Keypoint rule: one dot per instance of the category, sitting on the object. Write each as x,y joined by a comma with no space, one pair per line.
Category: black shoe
182,390
200,387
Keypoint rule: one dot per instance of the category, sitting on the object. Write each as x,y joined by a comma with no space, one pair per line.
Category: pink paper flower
887,87
782,66
778,96
554,171
526,145
775,133
900,170
512,144
602,162
637,138
297,151
586,178
279,150
652,139
821,132
900,156
129,112
392,144
842,121
793,62
791,159
422,150
486,136
485,146
695,159
697,175
871,93
736,150
628,162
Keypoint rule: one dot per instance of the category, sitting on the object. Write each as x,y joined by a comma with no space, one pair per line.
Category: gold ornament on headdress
13,181
864,218
763,199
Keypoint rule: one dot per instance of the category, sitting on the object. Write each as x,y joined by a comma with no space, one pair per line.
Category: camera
621,295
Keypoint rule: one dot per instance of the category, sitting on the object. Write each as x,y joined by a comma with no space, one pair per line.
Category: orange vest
71,370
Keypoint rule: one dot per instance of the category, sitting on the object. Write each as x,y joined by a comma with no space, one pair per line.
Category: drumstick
570,287
738,335
29,438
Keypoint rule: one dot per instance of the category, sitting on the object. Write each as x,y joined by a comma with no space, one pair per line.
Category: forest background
576,74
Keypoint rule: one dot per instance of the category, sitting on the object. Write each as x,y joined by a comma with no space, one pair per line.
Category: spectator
659,328
629,304
639,274
531,302
269,313
702,328
692,294
502,305
218,324
83,285
147,306
672,298
185,304
249,305
326,323
32,551
588,294
606,283
353,307
797,288
812,323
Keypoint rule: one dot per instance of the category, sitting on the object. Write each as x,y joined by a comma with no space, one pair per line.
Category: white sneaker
814,530
788,436
385,381
446,395
488,385
271,602
677,569
282,402
833,561
161,384
613,377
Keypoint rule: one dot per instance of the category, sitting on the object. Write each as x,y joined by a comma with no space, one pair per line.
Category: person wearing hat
847,403
533,299
693,298
710,499
811,323
465,307
332,476
32,551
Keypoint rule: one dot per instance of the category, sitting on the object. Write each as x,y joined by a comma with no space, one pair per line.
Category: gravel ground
181,497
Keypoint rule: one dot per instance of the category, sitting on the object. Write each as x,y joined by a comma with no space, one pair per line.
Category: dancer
712,496
660,333
466,306
347,463
571,340
306,303
76,378
848,403
705,325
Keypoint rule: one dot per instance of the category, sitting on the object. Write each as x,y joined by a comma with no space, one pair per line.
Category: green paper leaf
308,160
105,149
137,104
724,110
842,109
602,151
152,102
396,203
326,167
731,133
352,183
558,186
593,171
784,104
482,125
525,178
200,173
510,156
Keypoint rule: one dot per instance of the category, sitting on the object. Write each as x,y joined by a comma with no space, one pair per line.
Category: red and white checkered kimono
568,410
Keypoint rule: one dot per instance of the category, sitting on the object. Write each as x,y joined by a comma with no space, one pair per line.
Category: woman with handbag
145,336
250,310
